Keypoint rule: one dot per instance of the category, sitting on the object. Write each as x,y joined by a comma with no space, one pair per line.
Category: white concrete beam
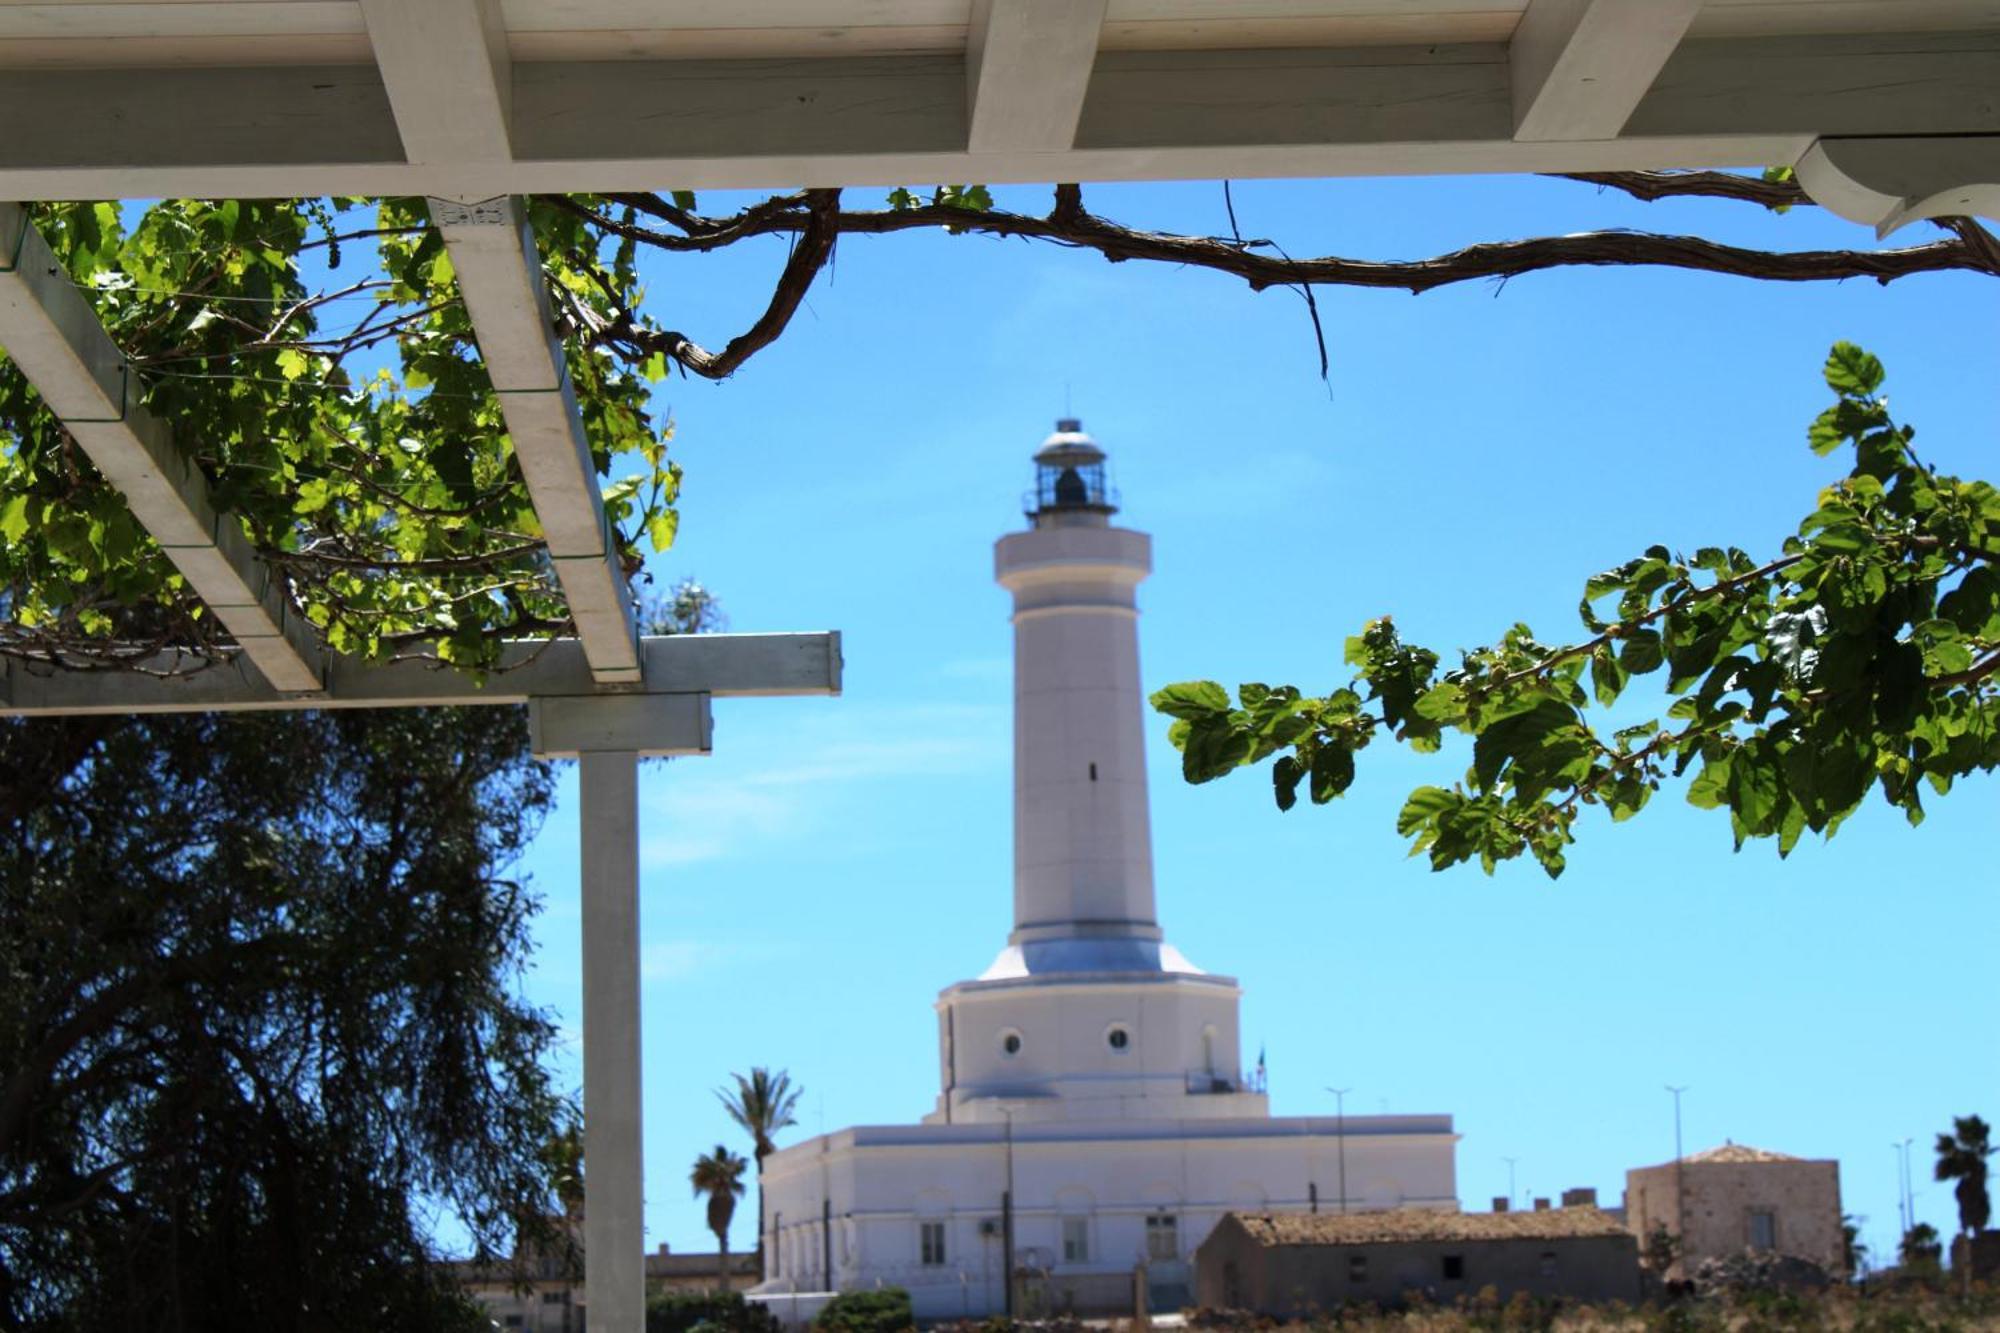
566,726
1581,67
614,1230
724,665
50,330
1028,66
445,67
1157,115
1888,183
500,276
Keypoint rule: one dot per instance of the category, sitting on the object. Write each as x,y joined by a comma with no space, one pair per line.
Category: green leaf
14,518
1424,805
1850,370
1640,652
662,527
1191,699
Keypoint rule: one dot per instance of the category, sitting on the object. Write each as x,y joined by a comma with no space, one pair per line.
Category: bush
709,1311
883,1310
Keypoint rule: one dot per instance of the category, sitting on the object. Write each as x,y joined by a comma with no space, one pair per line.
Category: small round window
1010,1042
1119,1038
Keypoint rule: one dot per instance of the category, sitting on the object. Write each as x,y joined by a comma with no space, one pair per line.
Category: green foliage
1961,1157
761,1104
719,1175
882,1310
1920,1247
969,198
721,1311
260,1020
1861,657
353,434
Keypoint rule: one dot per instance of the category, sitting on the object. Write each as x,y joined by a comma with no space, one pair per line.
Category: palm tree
719,1175
761,1105
1961,1156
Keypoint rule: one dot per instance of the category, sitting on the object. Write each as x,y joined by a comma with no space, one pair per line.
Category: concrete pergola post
614,1170
606,735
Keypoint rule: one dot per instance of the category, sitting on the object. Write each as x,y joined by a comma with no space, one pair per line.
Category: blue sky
1481,450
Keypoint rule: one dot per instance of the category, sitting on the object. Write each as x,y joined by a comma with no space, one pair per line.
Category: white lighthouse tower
1087,1013
1092,1120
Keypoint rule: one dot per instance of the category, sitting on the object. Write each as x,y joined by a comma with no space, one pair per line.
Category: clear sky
811,886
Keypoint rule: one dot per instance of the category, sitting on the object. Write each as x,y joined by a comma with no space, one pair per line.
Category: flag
1260,1064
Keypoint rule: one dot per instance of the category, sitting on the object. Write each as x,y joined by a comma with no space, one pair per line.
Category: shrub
708,1311
883,1310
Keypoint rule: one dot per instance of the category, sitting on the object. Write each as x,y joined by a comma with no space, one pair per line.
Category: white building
1091,1113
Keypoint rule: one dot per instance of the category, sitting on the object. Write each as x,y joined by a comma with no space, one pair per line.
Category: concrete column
613,1226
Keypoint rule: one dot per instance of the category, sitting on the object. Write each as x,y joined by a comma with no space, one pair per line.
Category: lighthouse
1093,1121
1083,860
1087,1013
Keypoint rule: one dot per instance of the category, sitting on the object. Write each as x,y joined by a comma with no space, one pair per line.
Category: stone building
1734,1198
542,1292
1288,1264
1092,1111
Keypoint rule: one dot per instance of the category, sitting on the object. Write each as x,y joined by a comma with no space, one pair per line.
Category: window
555,1298
511,1321
1119,1037
1357,1268
1010,1042
1548,1263
1076,1240
1163,1238
1763,1229
930,1240
1454,1268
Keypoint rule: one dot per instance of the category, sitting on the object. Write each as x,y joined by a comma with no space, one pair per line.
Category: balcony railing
1201,1081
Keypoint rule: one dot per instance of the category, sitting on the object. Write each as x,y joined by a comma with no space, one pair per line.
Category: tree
1661,1249
1854,1250
719,1175
1961,1156
1920,1247
761,1105
1861,656
260,1022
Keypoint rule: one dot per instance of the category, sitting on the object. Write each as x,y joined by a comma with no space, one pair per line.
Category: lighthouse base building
1092,1123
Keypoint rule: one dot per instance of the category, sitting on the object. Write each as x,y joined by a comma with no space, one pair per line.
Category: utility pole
1680,1174
1340,1138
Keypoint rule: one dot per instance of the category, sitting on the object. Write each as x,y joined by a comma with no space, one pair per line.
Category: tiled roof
1729,1154
1415,1224
1742,1152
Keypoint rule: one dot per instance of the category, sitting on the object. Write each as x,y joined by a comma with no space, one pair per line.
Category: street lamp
1680,1176
1340,1138
1510,1178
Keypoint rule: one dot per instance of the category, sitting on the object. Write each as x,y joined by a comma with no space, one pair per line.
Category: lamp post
1007,1216
1909,1194
1340,1138
1680,1175
1510,1178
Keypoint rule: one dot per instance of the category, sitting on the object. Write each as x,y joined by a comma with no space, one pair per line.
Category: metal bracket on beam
566,726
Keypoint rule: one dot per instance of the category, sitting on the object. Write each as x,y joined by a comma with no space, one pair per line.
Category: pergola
1888,109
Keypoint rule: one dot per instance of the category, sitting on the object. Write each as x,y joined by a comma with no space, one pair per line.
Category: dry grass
1910,1310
